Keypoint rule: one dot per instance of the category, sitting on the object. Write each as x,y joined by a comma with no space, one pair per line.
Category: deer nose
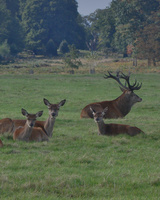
96,119
31,124
140,99
53,114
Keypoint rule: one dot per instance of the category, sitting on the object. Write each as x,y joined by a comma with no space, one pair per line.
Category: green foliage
71,59
56,20
4,50
10,27
117,25
148,39
77,163
4,21
30,24
63,47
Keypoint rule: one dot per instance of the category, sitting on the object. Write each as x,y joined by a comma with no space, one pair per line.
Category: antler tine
117,78
125,77
135,86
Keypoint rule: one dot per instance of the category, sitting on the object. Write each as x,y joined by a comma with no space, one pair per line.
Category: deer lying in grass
48,125
28,132
119,107
8,125
112,129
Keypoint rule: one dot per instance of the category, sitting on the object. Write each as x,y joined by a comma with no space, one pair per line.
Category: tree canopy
129,27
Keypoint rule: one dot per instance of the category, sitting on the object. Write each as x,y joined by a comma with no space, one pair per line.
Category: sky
86,7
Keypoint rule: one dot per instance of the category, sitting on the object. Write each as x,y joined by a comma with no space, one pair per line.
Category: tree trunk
149,62
154,62
134,61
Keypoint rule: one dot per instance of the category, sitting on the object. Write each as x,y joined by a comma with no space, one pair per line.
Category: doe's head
31,118
54,108
98,115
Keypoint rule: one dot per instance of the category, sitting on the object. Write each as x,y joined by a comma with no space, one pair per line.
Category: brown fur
117,108
8,125
120,107
28,132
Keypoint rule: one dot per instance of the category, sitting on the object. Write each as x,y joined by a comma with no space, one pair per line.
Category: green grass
77,163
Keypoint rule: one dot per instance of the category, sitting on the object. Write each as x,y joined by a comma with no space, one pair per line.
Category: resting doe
28,132
112,129
8,125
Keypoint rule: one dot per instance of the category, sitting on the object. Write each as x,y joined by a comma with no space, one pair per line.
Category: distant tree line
128,27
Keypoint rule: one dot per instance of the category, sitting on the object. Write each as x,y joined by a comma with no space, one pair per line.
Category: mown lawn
77,163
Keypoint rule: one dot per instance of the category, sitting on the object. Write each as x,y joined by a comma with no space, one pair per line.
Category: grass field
77,163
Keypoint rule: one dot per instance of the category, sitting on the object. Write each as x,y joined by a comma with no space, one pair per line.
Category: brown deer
119,107
48,125
112,129
8,125
28,132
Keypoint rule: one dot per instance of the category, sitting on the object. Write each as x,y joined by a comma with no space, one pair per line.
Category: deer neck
123,104
101,127
25,133
48,126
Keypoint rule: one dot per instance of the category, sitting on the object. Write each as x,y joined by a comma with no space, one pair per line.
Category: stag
119,107
112,129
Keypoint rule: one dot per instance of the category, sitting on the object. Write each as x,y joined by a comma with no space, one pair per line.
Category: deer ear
104,111
39,114
24,112
62,102
46,102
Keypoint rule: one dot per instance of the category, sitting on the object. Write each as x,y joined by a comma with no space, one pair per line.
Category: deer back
116,129
6,125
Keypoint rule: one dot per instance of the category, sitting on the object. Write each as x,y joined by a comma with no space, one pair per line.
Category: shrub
4,49
71,59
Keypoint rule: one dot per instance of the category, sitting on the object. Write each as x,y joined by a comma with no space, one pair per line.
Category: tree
104,25
4,21
71,59
10,27
51,19
148,39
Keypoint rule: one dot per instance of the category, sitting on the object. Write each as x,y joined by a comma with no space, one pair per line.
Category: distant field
77,163
99,63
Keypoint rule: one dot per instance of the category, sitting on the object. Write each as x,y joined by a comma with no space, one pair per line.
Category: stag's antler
135,86
117,78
